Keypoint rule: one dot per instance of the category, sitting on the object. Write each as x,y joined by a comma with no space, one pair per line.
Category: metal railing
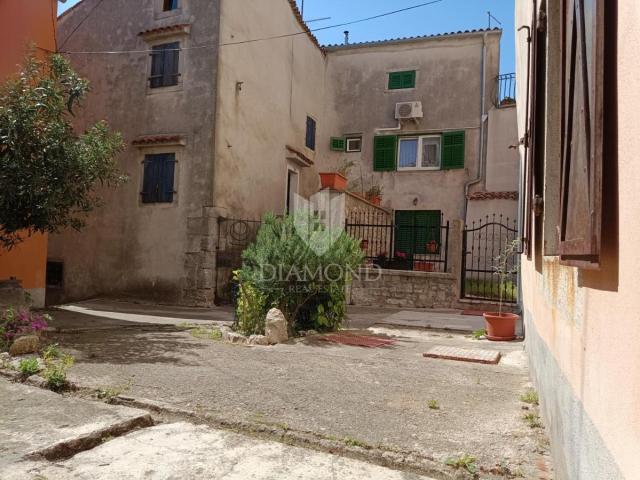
505,90
400,247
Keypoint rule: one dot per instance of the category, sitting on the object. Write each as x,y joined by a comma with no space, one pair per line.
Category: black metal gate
234,235
482,242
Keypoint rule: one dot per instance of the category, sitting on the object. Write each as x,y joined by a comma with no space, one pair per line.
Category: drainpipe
483,119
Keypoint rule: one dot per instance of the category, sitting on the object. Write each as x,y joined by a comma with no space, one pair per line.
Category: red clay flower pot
376,200
333,180
500,328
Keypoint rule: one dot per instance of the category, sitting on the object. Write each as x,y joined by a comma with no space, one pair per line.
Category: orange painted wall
24,23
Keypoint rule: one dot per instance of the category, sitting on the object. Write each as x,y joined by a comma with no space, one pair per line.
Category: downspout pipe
483,120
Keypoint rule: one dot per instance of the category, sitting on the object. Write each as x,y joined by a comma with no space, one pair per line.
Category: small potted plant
337,180
502,326
374,194
433,247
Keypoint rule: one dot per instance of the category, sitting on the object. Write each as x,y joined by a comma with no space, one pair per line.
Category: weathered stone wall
397,288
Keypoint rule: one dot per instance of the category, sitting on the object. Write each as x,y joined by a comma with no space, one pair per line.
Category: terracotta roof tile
374,43
178,28
303,24
493,196
148,140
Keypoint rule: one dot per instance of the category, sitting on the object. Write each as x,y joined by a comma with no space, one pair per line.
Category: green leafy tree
48,174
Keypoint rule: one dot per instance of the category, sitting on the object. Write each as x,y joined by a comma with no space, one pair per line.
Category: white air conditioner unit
408,110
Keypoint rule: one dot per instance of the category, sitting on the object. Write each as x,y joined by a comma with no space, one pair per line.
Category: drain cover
464,355
357,340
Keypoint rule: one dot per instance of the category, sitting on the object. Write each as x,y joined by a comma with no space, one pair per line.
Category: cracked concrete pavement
35,421
374,396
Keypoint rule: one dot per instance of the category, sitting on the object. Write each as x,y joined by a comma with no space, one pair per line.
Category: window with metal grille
157,184
311,133
165,61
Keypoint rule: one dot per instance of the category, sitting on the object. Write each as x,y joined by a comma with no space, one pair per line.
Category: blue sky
446,16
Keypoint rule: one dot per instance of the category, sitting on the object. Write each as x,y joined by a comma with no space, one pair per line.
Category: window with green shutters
415,229
384,153
338,144
452,150
399,80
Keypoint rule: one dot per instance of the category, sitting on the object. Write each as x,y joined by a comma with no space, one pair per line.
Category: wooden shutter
583,74
168,162
151,179
311,133
384,153
157,66
403,235
408,79
427,228
453,146
398,80
338,144
171,64
395,80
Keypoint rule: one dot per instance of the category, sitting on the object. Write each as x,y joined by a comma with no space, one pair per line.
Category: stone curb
68,448
396,459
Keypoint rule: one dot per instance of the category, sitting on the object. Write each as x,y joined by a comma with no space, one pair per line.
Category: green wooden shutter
384,153
403,239
338,144
398,80
427,228
408,79
453,150
395,80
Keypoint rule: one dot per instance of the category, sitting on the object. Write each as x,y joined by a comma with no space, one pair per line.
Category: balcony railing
505,90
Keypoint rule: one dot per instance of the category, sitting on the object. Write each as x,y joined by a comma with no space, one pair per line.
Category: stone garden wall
405,289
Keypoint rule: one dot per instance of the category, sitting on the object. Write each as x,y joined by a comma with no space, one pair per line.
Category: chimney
346,37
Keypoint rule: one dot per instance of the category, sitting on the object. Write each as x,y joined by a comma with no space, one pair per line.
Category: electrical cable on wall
242,42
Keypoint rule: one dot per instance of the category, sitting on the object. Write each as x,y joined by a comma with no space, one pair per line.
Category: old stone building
230,107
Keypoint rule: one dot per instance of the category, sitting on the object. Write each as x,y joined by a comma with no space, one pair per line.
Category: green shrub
250,308
29,366
304,278
56,372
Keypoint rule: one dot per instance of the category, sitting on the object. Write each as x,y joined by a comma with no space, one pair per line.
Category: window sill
172,88
419,169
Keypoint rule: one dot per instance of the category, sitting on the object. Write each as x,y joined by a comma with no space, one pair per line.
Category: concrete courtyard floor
370,398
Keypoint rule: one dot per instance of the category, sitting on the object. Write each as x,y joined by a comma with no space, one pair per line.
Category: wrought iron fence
505,90
482,242
234,236
400,247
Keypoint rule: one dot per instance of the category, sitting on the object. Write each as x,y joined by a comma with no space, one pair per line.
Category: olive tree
48,173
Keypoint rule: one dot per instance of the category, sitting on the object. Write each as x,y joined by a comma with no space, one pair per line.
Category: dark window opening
311,133
169,5
157,185
165,65
55,274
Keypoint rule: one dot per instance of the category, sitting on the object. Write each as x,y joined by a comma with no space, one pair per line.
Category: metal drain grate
357,340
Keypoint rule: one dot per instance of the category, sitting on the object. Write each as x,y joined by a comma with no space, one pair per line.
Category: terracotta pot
500,328
376,200
334,180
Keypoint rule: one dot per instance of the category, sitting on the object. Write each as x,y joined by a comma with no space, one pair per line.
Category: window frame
352,150
167,157
420,152
414,79
161,57
176,6
311,142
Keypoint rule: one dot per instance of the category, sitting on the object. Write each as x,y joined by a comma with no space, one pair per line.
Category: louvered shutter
167,178
151,179
581,194
384,153
157,66
427,229
403,235
338,144
171,64
453,146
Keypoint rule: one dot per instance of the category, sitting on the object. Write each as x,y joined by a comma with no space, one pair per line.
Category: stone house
578,103
230,107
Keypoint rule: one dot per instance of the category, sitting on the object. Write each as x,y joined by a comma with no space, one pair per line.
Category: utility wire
242,42
80,24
